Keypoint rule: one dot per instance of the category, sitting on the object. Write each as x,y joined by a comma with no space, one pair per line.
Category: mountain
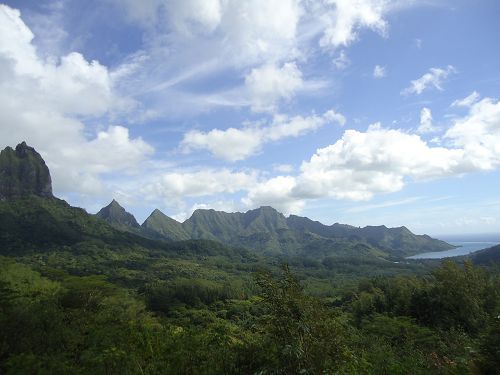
396,239
165,226
24,175
56,234
33,221
268,231
487,256
116,215
23,172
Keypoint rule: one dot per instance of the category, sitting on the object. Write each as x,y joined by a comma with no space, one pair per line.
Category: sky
365,112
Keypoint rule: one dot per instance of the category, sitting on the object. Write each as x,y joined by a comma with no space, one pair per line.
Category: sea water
463,249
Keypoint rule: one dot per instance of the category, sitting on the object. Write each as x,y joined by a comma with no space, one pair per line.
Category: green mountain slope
269,232
55,238
487,256
399,241
35,224
116,215
165,226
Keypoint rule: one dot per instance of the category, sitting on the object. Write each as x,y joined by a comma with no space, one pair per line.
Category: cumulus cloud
467,101
42,101
277,192
478,134
175,186
343,18
379,72
269,83
236,144
433,78
362,164
425,125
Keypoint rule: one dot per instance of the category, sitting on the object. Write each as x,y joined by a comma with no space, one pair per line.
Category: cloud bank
43,102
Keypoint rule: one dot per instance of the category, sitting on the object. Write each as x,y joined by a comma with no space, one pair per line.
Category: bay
465,247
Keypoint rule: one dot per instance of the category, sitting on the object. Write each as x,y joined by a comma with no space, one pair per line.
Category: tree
302,334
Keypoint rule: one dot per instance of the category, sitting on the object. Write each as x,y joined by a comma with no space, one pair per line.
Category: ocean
466,247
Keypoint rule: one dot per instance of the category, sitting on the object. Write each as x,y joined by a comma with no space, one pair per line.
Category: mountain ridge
266,230
23,173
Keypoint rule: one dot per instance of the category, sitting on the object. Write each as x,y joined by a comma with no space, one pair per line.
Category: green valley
229,293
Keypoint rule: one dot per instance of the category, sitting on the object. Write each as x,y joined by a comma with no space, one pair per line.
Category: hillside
49,234
267,231
487,256
164,226
116,215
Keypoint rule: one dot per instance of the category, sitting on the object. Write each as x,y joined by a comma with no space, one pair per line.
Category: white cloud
218,205
242,33
467,101
343,18
258,39
39,102
362,164
269,83
341,61
426,122
195,15
379,72
195,39
262,27
236,144
276,192
176,186
433,78
478,134
261,30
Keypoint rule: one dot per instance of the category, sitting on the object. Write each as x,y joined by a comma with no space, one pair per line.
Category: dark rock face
23,172
115,214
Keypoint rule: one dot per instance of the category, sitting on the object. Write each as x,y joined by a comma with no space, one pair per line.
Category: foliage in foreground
444,324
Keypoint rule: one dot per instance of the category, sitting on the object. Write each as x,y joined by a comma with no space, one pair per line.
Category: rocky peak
264,218
23,172
115,214
157,213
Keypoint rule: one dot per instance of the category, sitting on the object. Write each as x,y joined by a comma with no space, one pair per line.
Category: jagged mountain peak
114,203
23,172
157,212
205,212
164,225
115,214
265,218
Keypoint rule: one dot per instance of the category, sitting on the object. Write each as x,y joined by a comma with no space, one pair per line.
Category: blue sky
364,112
